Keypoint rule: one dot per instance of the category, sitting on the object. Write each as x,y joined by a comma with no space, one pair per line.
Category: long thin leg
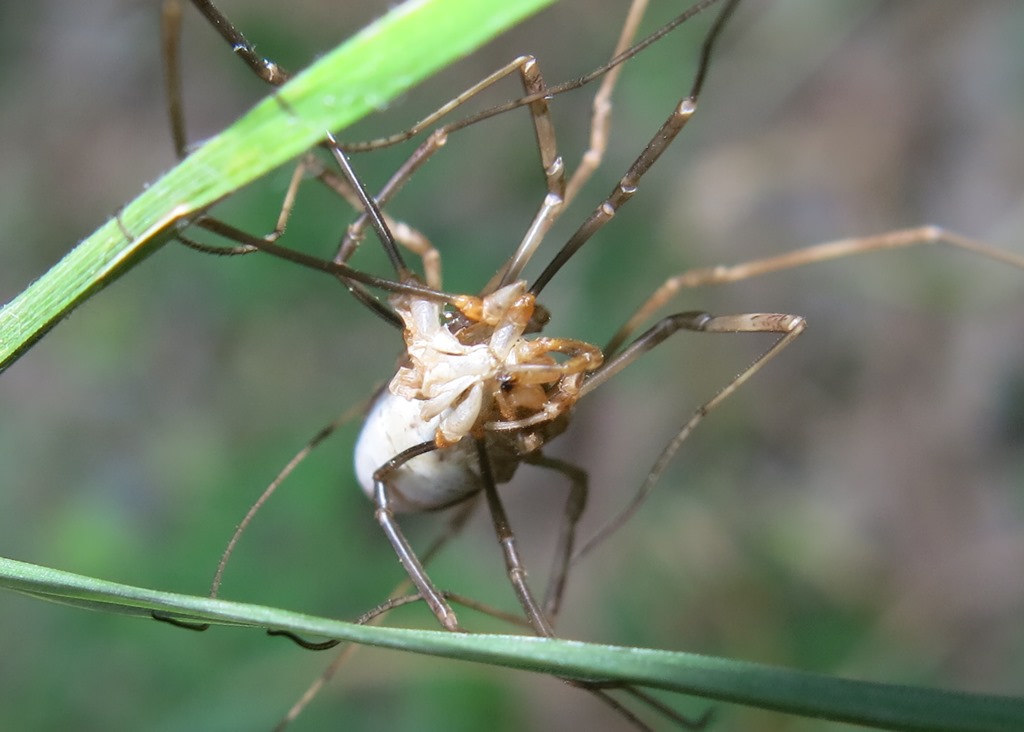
526,66
372,617
325,432
296,459
790,327
536,100
552,165
273,74
801,257
397,231
386,518
170,43
244,247
412,239
559,194
600,127
627,185
356,230
170,40
537,618
347,275
309,165
621,58
393,602
507,540
264,68
537,94
600,120
453,528
574,505
336,269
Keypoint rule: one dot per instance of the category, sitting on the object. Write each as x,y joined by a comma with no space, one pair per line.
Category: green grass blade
885,706
399,50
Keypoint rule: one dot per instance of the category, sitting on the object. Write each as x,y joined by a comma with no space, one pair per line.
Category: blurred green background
857,509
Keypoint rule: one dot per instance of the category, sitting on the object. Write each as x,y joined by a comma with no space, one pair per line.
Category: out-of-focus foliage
856,509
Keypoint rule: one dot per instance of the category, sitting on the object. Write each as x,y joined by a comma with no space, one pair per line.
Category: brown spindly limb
575,503
789,327
453,527
663,138
321,435
538,619
386,518
828,251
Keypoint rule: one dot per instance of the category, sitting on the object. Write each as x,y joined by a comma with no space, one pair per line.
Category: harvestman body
474,396
482,379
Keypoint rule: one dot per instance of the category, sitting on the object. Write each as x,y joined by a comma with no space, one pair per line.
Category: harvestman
473,374
473,396
531,391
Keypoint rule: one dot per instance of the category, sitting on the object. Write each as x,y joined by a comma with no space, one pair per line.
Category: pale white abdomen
427,482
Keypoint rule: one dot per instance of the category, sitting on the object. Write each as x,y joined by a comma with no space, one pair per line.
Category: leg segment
600,125
243,246
790,327
412,239
273,74
263,68
170,42
559,192
374,616
627,185
537,618
574,506
802,257
544,133
507,540
325,432
170,39
386,518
